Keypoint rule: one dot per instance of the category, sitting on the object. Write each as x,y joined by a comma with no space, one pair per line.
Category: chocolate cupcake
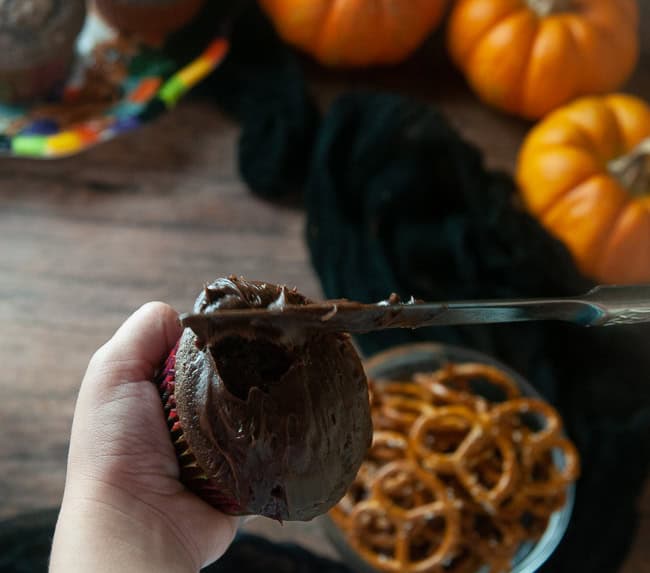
37,45
151,20
266,423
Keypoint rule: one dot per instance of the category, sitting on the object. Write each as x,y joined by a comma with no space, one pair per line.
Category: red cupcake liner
192,474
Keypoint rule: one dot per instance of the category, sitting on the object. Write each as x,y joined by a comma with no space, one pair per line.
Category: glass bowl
400,363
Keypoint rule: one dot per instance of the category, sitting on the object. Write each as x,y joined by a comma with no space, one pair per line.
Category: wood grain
85,241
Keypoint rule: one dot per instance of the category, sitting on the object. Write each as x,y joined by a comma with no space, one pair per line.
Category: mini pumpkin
584,171
355,32
529,57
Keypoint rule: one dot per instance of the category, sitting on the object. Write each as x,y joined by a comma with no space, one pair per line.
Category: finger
138,348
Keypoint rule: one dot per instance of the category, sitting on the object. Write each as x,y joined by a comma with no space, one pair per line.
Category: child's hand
124,508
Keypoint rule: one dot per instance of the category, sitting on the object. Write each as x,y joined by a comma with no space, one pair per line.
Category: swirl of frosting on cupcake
282,424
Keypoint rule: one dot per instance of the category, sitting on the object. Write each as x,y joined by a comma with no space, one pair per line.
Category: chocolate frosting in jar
281,421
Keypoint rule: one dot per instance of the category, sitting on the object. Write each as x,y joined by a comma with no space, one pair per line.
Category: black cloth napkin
26,541
25,544
261,85
397,202
252,554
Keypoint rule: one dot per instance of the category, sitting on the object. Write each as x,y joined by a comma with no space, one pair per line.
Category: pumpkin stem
633,170
547,7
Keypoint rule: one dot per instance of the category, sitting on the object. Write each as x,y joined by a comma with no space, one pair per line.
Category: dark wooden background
85,241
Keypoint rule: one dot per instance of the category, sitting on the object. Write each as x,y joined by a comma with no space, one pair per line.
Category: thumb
137,349
117,404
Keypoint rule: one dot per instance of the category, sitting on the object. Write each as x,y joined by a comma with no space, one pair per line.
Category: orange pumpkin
584,171
528,57
355,32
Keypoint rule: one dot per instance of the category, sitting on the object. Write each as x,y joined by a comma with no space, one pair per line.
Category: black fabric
252,554
25,544
398,202
261,85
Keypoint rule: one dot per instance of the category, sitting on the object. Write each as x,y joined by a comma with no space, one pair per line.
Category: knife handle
621,304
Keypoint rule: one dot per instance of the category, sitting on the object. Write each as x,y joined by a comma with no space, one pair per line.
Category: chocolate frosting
281,422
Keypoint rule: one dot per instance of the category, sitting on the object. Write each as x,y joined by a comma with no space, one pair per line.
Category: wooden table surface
85,241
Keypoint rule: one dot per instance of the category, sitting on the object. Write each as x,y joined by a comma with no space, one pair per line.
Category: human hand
124,508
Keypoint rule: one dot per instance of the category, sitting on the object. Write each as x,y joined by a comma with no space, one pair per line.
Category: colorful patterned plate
117,86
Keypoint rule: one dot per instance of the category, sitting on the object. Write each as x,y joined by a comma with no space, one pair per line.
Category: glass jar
400,364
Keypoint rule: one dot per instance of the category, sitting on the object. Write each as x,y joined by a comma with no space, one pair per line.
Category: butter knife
602,306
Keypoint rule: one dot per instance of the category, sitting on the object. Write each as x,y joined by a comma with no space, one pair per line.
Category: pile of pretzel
455,480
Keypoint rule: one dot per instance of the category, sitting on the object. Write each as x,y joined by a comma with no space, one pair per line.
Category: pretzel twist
392,530
455,480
